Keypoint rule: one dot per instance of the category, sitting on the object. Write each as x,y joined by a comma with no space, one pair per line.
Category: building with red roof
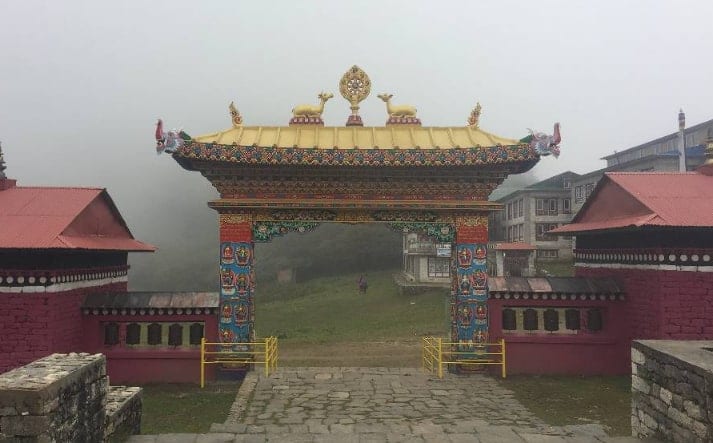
653,233
57,245
64,288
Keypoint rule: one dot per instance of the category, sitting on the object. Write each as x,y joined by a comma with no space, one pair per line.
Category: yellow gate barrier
262,352
436,353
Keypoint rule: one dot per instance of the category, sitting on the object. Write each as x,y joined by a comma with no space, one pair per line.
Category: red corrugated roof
674,199
35,218
620,222
677,199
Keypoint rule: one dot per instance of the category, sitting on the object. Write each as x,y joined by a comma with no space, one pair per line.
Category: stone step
501,435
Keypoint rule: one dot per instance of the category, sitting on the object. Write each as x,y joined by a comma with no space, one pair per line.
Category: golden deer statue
312,110
397,110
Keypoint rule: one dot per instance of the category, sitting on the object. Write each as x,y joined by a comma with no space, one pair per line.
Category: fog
82,84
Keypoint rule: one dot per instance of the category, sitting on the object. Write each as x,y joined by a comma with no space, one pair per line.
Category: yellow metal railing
437,353
259,353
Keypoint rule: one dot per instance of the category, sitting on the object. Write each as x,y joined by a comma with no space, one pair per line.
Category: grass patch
316,321
169,408
566,400
328,310
558,268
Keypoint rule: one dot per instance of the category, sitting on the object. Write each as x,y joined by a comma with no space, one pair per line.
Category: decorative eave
518,154
554,288
237,205
151,303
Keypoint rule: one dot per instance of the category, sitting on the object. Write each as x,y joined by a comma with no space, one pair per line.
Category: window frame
433,262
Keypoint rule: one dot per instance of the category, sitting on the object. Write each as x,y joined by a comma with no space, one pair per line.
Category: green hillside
331,309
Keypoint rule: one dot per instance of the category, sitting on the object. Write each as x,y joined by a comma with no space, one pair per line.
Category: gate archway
430,180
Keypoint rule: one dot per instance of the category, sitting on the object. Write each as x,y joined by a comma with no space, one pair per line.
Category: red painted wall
587,353
664,304
127,365
34,325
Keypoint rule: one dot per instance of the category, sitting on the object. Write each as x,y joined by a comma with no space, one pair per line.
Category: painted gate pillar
469,292
237,279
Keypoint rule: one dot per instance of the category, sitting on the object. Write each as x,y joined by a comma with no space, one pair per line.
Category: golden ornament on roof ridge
355,86
235,115
474,119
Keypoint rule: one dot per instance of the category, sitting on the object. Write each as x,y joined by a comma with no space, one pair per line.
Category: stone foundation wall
123,411
672,390
63,398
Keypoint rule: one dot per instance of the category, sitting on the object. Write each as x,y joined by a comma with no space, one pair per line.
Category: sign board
443,249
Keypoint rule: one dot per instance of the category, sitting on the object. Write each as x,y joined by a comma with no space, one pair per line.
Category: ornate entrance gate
275,180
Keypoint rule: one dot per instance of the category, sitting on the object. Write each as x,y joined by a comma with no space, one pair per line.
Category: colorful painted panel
237,283
469,294
479,155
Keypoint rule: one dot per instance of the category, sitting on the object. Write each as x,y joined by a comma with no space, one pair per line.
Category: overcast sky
82,83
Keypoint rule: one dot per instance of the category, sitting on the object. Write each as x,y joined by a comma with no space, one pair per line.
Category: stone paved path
379,405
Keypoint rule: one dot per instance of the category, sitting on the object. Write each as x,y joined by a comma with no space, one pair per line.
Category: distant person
362,284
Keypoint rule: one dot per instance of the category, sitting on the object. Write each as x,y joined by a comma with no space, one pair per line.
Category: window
439,267
567,183
547,253
142,335
566,206
510,234
520,205
546,206
196,333
154,334
175,335
594,319
588,188
571,319
509,211
520,229
541,230
133,334
509,319
529,319
111,334
578,194
552,320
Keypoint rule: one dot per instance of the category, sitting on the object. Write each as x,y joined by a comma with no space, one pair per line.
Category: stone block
639,384
679,417
25,425
692,409
665,395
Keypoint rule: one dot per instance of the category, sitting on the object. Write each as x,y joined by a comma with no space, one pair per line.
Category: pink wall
586,353
33,325
161,365
664,304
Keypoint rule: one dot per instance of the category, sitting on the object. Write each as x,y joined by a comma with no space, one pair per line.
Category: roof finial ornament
235,115
2,164
544,144
474,119
355,86
399,114
310,114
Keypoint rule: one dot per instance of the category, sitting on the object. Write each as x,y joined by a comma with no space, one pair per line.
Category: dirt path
394,354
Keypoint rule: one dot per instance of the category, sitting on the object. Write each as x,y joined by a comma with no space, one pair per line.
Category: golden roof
340,137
